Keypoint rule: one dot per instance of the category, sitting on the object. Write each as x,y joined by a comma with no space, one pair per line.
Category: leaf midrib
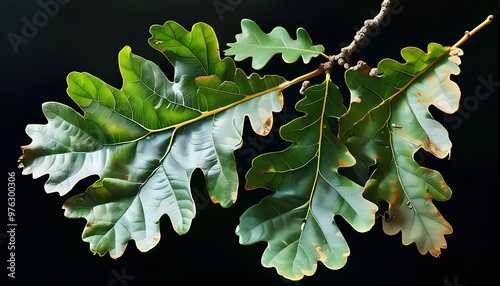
249,51
400,90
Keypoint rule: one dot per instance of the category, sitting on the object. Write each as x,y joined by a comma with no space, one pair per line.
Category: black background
87,36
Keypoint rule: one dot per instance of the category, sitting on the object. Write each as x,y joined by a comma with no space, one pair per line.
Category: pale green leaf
145,140
261,47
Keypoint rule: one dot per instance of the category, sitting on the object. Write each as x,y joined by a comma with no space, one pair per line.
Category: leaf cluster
146,139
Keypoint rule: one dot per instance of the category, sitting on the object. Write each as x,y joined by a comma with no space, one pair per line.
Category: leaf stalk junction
340,59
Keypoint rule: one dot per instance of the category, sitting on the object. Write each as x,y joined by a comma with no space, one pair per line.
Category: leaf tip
234,196
436,150
355,99
127,49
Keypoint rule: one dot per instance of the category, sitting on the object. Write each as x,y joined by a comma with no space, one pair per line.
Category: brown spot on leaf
91,223
82,199
395,194
396,218
431,147
205,78
26,153
435,253
214,199
343,163
268,124
176,228
377,157
321,252
117,256
280,98
445,186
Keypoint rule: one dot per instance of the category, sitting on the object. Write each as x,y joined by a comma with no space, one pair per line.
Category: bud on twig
342,58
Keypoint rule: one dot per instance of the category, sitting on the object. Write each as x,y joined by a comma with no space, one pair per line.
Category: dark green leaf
387,123
146,139
297,221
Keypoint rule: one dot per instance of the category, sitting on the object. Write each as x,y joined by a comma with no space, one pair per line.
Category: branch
342,59
469,34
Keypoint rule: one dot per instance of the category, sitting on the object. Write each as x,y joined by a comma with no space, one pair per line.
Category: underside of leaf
146,139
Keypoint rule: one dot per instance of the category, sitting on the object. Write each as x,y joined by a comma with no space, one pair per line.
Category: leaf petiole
470,34
280,87
325,56
301,78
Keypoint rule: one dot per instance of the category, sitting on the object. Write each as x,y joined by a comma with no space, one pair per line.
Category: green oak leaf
145,140
261,47
297,221
396,123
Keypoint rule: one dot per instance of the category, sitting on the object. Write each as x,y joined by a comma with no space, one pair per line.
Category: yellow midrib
215,111
327,80
447,50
